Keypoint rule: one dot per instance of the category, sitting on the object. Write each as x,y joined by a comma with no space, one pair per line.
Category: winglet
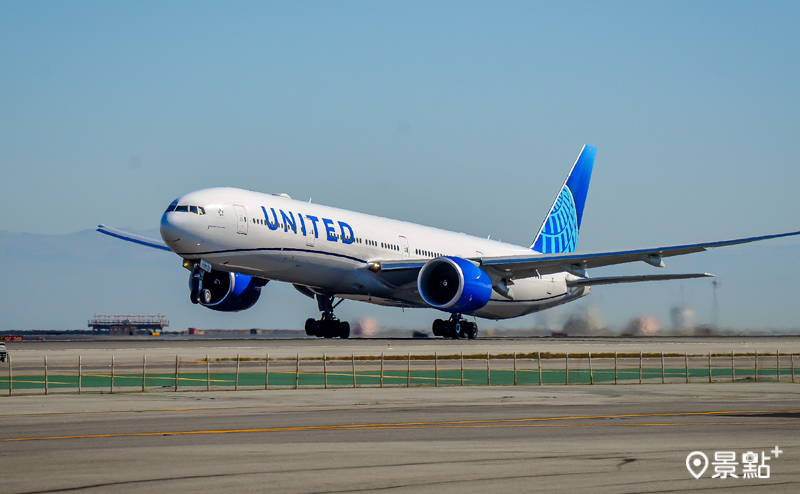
559,231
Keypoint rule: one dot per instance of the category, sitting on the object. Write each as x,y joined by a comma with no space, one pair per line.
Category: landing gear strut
195,282
328,326
456,327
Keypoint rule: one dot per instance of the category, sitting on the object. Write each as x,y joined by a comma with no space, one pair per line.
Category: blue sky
461,115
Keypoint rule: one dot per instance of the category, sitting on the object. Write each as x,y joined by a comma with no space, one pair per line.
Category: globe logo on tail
560,230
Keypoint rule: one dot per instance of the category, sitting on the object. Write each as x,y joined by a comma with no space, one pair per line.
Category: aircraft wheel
344,330
438,327
328,328
194,296
205,296
472,331
311,327
458,328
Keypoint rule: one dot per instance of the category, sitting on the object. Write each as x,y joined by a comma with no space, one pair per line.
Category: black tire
344,330
458,328
194,296
473,331
311,327
438,327
205,296
328,328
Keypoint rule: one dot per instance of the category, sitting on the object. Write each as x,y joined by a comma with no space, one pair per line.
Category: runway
551,438
505,439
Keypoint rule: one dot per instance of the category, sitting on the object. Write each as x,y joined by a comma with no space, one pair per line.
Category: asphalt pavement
632,438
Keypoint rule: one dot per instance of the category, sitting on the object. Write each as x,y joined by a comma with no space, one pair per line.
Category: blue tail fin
559,232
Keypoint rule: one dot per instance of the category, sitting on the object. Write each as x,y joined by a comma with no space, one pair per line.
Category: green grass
428,377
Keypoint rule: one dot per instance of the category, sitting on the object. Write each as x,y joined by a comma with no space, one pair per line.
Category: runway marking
490,423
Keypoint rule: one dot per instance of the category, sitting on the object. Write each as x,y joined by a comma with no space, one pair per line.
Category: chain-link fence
116,375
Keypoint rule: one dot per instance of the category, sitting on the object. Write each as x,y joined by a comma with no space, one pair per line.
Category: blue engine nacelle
229,292
453,284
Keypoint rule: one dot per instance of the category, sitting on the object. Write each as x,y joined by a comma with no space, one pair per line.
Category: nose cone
172,228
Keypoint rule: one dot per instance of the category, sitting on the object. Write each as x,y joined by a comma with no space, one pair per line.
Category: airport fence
114,375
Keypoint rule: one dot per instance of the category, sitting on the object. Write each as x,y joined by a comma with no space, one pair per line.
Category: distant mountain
60,281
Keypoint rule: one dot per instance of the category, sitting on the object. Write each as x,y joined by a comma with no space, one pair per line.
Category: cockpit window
186,209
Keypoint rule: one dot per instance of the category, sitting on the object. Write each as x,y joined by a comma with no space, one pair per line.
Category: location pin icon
696,463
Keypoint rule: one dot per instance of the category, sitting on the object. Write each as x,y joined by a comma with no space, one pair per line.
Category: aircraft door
310,234
404,250
241,219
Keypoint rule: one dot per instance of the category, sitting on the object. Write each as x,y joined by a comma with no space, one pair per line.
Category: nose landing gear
328,326
456,327
195,282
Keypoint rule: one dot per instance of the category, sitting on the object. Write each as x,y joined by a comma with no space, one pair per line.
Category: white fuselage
328,249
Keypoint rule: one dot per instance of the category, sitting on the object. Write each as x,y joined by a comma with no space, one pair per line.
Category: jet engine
227,292
453,284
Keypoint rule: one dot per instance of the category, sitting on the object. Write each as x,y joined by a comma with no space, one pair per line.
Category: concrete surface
628,438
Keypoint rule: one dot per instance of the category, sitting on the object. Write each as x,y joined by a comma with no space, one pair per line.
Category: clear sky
461,115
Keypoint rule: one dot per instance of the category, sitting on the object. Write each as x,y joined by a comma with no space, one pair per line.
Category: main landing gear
328,326
456,327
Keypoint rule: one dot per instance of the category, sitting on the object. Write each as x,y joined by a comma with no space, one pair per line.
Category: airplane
235,241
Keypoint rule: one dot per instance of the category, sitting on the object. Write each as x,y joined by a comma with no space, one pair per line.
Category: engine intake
454,284
229,292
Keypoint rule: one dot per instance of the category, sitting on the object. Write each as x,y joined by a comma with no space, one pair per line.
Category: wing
613,280
528,266
517,267
130,237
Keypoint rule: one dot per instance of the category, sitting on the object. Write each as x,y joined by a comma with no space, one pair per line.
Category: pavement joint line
496,423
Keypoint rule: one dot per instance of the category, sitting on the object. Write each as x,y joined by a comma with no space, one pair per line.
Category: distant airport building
128,324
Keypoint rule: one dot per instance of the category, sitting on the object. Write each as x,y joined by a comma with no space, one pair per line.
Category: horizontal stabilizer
613,280
132,237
